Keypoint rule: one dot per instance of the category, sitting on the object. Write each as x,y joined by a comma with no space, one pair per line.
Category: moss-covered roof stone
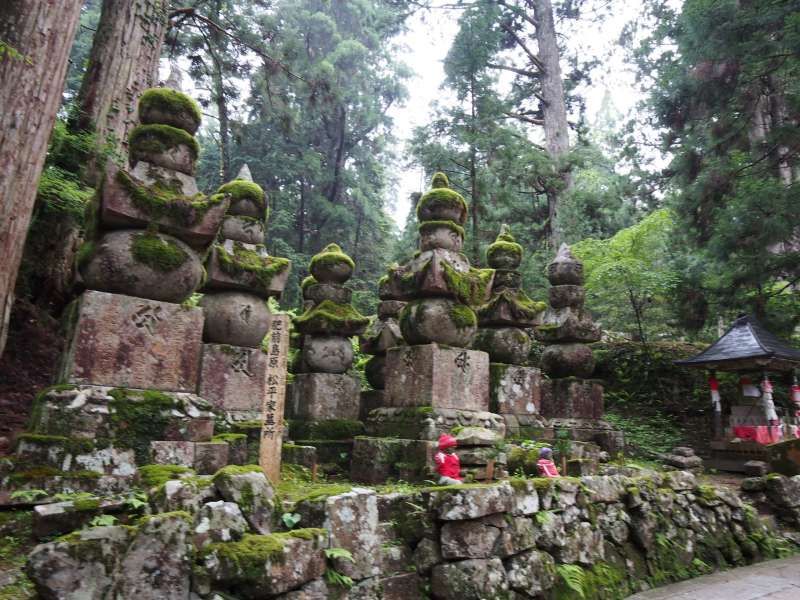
331,318
331,265
148,140
166,106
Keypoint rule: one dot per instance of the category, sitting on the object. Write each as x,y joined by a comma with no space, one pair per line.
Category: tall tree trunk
554,109
473,176
123,63
301,219
218,83
30,93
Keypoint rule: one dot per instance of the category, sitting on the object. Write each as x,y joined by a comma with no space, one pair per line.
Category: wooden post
274,399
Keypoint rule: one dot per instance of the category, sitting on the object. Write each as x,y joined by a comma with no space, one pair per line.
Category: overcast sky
425,46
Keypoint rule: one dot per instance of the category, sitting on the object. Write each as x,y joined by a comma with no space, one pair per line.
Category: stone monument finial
175,78
244,173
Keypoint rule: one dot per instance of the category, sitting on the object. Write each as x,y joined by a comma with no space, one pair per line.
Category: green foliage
155,475
574,578
103,521
157,252
147,140
629,280
290,520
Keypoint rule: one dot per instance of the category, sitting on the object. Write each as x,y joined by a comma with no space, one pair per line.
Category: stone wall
606,536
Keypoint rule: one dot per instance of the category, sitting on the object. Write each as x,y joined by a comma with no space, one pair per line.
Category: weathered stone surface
243,229
352,520
62,570
784,491
471,502
493,535
210,457
572,398
756,468
531,572
683,462
62,517
515,390
158,563
316,590
299,561
431,375
403,586
427,555
561,296
375,460
427,423
184,495
604,489
321,396
370,400
525,499
381,335
508,345
299,455
425,275
505,279
122,341
242,279
219,522
565,268
568,360
179,158
116,266
437,320
119,211
440,236
474,579
318,292
235,318
250,489
680,480
173,453
477,436
389,309
327,354
234,378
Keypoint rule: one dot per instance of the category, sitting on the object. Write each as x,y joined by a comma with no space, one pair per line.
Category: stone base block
598,431
579,467
173,453
252,430
242,279
529,427
441,377
210,457
122,341
370,400
428,423
375,460
572,398
305,456
333,456
234,379
65,454
515,390
324,396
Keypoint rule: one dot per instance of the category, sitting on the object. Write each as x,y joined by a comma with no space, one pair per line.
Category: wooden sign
274,398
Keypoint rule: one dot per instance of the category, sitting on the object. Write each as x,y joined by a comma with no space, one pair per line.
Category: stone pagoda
436,382
504,322
323,389
383,333
130,374
571,400
241,277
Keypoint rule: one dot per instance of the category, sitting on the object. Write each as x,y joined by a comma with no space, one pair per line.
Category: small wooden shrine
748,423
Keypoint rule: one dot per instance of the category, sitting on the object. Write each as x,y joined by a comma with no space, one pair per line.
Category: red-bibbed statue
545,464
448,464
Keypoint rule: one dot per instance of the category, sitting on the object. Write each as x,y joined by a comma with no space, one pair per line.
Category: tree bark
215,48
554,109
123,63
30,93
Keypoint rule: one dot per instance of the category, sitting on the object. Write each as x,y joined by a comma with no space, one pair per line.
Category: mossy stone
331,265
504,255
247,199
165,146
439,320
166,106
441,234
442,204
331,319
237,259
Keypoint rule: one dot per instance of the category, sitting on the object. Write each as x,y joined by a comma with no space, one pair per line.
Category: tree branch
533,58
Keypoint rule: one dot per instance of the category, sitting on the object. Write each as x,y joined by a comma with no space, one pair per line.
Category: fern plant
574,577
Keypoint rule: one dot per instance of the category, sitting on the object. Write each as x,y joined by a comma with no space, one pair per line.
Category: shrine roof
747,345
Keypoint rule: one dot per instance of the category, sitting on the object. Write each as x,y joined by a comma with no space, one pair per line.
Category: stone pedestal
436,376
234,380
572,398
515,390
324,396
376,460
427,423
122,341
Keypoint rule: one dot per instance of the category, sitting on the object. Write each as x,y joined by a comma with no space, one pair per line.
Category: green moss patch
229,437
331,255
333,318
440,180
70,445
232,470
146,140
245,190
307,282
463,316
155,475
523,309
441,199
158,252
427,226
502,248
163,199
168,101
469,288
140,418
261,267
